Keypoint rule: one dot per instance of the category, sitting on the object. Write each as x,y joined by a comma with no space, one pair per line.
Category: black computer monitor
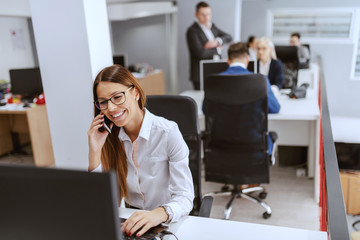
290,61
287,53
208,67
44,203
26,82
120,59
251,66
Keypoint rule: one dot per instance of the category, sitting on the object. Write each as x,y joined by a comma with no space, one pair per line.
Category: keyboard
146,236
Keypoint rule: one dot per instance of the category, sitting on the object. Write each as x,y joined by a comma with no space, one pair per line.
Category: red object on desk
40,99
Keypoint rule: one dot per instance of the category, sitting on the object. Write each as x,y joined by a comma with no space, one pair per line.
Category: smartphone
106,125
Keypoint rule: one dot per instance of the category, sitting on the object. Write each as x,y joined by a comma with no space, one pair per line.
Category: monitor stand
27,100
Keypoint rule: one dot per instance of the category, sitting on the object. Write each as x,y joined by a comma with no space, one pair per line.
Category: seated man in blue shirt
238,59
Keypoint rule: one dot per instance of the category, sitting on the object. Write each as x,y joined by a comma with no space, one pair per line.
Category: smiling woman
147,152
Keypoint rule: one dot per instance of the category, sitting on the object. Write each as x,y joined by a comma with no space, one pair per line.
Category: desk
190,227
297,124
310,76
33,121
152,83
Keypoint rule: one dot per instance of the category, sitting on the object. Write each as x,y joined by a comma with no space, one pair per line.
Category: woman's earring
137,99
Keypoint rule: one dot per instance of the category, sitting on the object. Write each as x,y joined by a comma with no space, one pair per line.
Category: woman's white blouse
158,167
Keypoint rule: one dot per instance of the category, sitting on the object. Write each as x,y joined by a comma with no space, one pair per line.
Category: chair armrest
204,134
205,207
273,136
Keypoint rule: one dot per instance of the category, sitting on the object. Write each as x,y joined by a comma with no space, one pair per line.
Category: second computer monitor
251,66
208,67
26,82
287,53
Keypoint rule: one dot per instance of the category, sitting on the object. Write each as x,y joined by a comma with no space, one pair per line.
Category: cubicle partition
333,216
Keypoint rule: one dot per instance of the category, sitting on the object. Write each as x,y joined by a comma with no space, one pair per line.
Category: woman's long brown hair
113,155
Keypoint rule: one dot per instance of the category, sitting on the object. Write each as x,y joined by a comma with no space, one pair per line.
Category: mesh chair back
236,150
183,111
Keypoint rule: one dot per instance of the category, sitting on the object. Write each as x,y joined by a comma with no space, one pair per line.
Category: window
356,62
319,25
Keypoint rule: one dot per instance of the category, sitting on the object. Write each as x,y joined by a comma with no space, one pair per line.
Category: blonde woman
267,63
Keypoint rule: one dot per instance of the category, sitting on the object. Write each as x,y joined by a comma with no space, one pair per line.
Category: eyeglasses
118,99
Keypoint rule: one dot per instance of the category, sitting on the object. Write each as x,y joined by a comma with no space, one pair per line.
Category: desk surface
297,109
15,108
191,227
290,109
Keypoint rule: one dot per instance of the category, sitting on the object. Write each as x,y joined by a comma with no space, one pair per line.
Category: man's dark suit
196,39
276,73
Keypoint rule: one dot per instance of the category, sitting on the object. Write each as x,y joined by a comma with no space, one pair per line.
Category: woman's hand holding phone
96,140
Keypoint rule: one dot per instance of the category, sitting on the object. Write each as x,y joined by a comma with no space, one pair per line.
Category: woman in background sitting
267,63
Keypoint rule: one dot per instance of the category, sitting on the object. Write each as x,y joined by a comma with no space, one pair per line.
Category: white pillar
73,43
237,25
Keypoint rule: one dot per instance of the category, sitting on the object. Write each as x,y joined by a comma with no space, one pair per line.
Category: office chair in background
290,60
306,45
307,63
235,139
183,111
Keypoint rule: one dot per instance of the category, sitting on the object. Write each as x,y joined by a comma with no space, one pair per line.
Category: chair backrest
236,149
306,45
183,111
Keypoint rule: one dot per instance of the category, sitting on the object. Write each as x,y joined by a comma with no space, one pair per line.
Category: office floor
25,157
290,198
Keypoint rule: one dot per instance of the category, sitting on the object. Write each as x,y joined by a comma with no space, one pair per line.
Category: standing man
303,52
204,40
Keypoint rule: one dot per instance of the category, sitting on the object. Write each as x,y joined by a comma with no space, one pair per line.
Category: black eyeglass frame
97,104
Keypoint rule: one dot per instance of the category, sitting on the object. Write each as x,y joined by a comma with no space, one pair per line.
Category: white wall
343,93
223,16
11,56
144,40
20,8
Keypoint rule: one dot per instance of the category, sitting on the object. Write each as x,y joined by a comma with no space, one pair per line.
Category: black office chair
235,139
183,111
307,46
307,63
290,60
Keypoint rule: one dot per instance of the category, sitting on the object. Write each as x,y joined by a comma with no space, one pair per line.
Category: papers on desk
285,91
12,107
279,92
138,75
